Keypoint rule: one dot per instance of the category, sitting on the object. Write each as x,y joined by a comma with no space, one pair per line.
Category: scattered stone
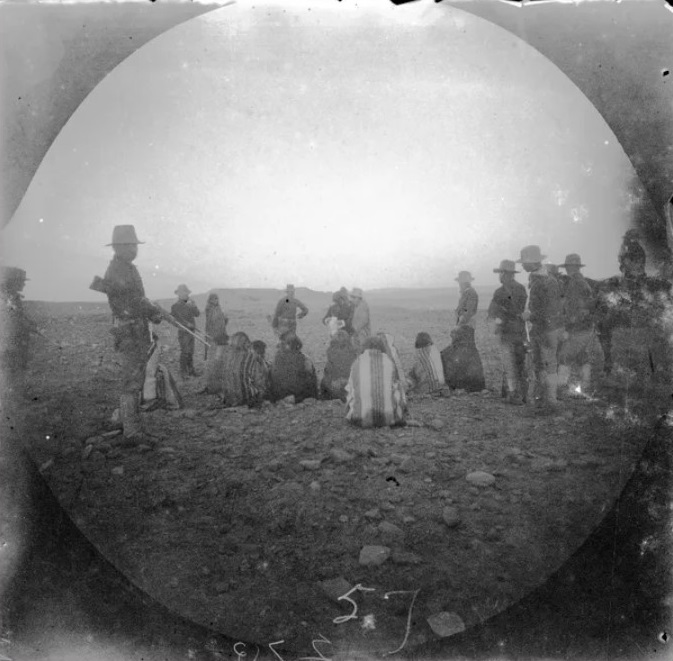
480,478
92,440
167,450
309,401
436,424
399,458
406,558
87,451
373,513
274,465
335,587
221,587
409,519
390,530
111,434
46,465
117,470
190,414
341,456
289,400
446,624
144,448
407,466
492,535
310,464
430,455
366,451
373,556
343,519
315,486
451,516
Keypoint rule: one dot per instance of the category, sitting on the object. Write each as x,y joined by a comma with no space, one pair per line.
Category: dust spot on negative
393,479
663,637
665,73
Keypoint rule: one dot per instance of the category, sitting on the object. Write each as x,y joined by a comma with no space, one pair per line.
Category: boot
131,420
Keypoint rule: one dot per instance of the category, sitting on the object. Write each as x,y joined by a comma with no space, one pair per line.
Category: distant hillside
263,301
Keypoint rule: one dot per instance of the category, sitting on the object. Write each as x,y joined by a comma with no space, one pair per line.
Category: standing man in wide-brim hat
507,308
579,312
546,324
469,300
131,313
288,310
185,312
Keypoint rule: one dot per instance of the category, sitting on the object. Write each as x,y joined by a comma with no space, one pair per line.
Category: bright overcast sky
379,148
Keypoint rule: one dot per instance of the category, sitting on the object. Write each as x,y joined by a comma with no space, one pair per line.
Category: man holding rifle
131,312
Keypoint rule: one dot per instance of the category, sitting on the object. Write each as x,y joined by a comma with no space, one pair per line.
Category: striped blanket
375,397
427,374
244,379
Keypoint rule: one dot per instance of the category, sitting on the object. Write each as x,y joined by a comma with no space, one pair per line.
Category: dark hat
506,266
531,255
572,260
183,289
632,250
124,235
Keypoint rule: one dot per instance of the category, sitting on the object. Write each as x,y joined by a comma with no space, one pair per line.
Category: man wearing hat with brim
469,300
579,311
507,308
288,310
360,321
131,313
185,312
15,329
546,324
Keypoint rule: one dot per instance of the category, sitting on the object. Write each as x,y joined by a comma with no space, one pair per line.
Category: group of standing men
564,320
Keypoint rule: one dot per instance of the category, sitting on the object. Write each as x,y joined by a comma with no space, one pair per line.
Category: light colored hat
464,276
572,260
531,255
506,266
356,292
183,289
124,234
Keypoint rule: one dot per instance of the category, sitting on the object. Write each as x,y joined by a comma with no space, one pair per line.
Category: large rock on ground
480,478
446,624
373,556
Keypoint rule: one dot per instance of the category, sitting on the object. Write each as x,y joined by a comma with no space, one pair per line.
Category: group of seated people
372,381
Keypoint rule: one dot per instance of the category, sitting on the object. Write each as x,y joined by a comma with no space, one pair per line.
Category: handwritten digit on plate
277,642
411,607
353,616
320,656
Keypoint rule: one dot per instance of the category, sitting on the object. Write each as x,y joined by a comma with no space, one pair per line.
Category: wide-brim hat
572,260
124,235
356,292
12,274
464,276
531,255
183,289
506,266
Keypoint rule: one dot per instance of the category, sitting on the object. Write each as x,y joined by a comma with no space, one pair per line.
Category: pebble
343,518
315,486
446,624
436,424
335,587
87,451
310,464
390,529
117,470
451,516
373,556
144,448
92,440
341,456
414,423
110,434
406,558
373,513
190,414
480,478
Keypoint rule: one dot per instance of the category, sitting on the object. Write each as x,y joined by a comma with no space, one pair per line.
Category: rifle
104,287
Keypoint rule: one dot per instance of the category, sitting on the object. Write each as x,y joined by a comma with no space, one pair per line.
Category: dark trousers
186,352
